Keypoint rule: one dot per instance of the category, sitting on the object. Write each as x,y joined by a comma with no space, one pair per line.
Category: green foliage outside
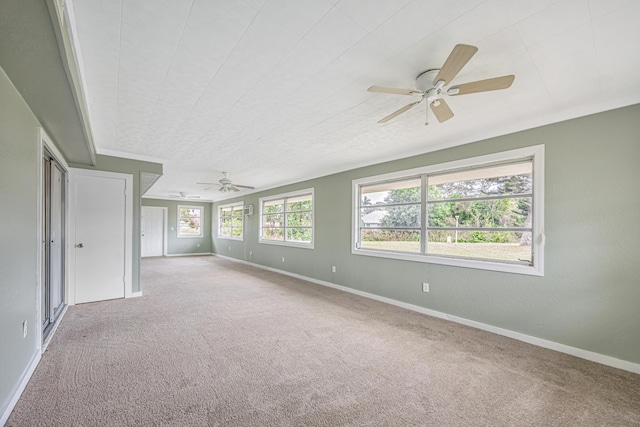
297,216
189,221
231,221
492,214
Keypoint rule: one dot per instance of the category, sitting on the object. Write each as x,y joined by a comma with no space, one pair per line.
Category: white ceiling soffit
275,91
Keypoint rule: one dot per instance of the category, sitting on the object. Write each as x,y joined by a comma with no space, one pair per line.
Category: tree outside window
189,221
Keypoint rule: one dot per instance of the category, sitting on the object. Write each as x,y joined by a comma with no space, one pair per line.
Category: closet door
54,178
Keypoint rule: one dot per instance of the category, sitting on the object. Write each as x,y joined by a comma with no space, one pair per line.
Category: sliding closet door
54,178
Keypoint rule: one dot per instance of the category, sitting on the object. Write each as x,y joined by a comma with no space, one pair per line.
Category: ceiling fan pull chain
426,122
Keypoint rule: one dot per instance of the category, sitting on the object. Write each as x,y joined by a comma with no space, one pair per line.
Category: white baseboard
26,376
195,254
136,294
540,342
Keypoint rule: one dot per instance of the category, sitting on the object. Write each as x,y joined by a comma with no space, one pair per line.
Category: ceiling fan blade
400,111
495,83
393,90
245,186
208,183
459,56
234,188
441,110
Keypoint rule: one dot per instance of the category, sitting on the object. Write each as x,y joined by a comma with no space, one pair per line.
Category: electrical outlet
425,287
198,245
282,259
24,329
333,268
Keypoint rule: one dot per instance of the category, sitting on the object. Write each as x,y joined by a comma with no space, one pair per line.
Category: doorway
54,178
154,231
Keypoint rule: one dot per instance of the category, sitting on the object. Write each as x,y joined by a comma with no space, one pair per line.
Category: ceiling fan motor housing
424,81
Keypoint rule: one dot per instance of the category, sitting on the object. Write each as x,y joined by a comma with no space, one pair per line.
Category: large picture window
287,219
190,221
484,212
230,221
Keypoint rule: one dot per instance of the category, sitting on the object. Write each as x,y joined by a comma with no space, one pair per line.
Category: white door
100,237
153,224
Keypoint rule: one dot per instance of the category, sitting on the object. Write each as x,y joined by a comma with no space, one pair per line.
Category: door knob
80,245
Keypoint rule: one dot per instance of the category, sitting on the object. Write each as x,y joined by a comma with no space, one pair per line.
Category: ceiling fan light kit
430,84
225,185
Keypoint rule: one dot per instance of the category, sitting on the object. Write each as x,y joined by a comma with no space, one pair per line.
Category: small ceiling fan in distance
430,85
183,195
225,185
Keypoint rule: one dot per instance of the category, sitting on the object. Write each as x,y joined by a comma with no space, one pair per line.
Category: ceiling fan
430,85
183,195
225,185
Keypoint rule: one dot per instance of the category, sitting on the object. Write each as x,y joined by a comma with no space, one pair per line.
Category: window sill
237,239
456,262
290,244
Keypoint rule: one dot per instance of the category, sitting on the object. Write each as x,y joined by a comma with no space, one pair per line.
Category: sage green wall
134,167
179,246
19,163
589,295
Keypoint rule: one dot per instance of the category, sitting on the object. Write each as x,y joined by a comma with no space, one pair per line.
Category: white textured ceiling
274,91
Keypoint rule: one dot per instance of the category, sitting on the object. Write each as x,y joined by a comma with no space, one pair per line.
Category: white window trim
536,152
310,245
230,205
199,236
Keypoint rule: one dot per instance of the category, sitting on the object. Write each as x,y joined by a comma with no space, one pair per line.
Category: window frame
199,236
231,205
285,196
533,153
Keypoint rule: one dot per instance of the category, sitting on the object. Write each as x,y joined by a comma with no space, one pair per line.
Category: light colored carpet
213,342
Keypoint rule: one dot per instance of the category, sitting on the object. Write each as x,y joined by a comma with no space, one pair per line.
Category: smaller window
231,221
190,221
287,219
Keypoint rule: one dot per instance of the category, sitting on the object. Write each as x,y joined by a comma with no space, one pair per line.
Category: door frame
45,142
128,250
165,226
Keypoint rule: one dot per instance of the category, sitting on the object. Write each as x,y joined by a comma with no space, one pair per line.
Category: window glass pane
237,211
498,245
225,212
299,234
288,218
189,212
237,222
226,222
514,178
299,203
404,216
273,233
273,220
189,231
273,206
237,232
225,231
299,219
514,212
390,192
390,240
189,221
